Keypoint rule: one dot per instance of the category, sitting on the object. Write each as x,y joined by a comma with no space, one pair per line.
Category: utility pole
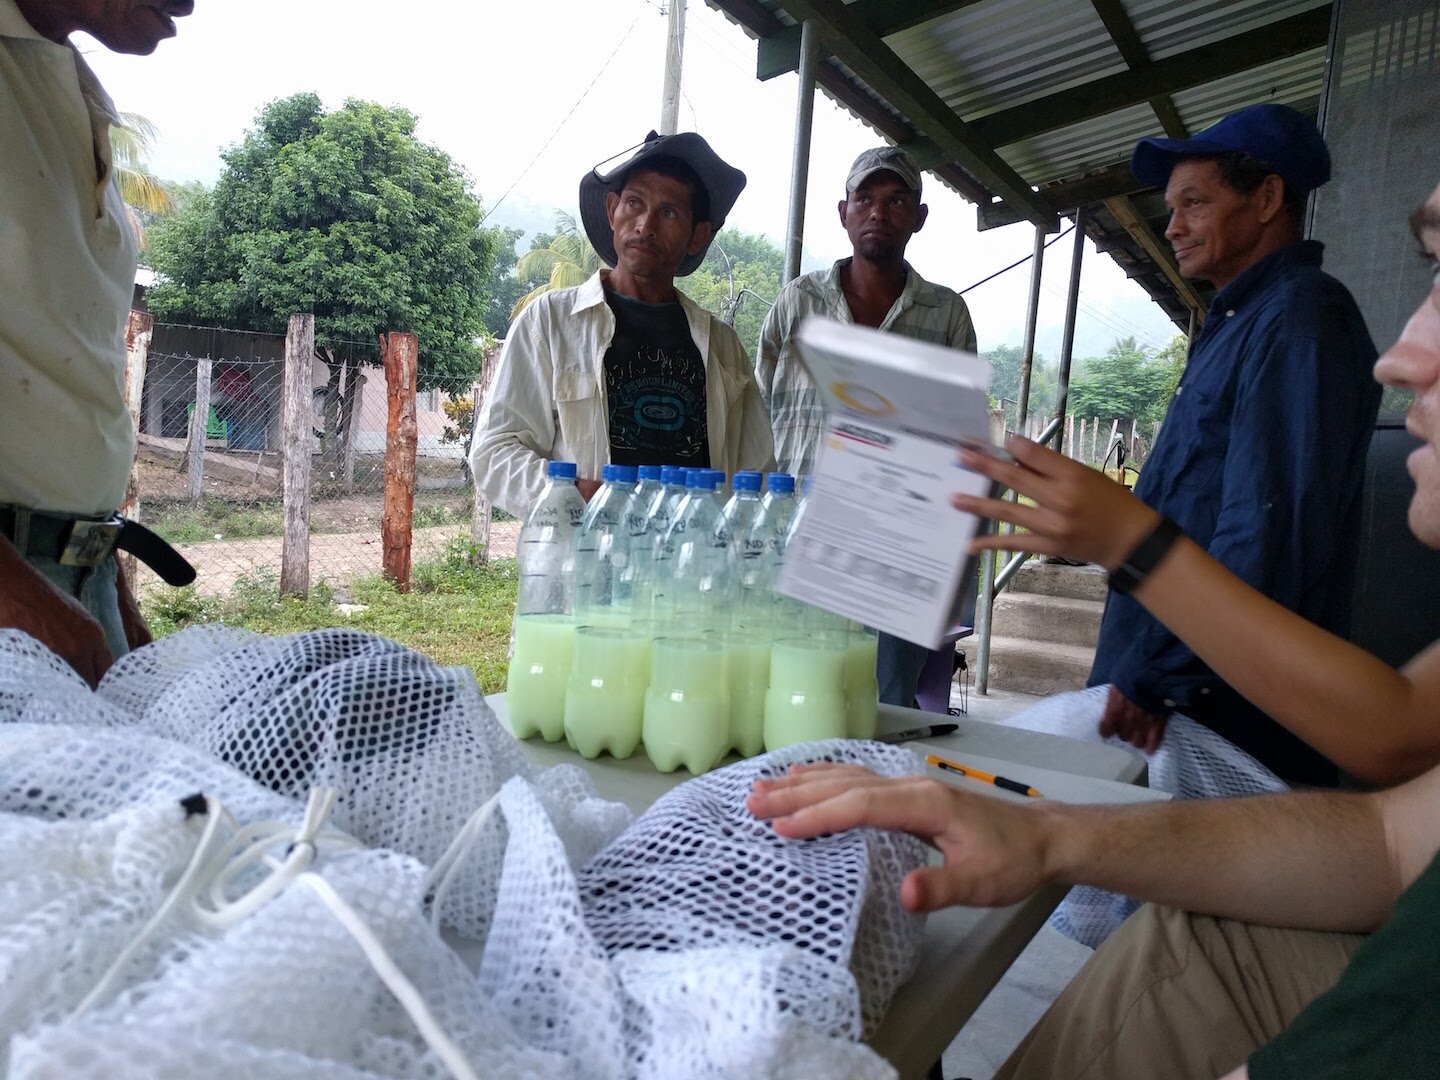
674,54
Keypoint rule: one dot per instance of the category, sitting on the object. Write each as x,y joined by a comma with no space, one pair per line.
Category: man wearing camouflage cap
876,287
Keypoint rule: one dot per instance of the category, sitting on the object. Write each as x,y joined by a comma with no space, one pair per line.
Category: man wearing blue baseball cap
1261,456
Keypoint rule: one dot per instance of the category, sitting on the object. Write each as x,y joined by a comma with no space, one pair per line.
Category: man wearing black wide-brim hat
624,368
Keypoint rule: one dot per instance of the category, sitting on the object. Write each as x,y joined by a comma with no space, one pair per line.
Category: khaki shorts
1179,996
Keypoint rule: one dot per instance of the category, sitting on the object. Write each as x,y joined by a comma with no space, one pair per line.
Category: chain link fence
210,460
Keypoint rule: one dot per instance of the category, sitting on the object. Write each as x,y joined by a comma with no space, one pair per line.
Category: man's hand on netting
1141,729
30,603
995,851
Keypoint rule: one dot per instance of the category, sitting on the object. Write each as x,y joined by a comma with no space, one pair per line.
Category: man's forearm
1316,860
1359,712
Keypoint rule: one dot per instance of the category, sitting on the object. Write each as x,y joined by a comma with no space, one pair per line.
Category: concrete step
1038,617
1040,668
1086,582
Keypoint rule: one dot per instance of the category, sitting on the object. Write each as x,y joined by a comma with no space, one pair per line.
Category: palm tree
130,144
568,260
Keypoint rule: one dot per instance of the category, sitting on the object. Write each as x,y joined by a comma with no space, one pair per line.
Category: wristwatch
1145,556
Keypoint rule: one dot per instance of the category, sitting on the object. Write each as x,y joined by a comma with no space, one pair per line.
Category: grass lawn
456,613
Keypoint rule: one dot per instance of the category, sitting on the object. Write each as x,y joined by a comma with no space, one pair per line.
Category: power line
564,119
1018,262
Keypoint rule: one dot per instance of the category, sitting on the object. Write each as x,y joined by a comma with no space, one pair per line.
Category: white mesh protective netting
1192,762
570,941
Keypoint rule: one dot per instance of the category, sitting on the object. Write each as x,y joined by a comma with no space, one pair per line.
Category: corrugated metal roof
1006,52
1026,66
1168,28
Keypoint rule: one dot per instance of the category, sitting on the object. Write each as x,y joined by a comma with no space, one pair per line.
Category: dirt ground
162,482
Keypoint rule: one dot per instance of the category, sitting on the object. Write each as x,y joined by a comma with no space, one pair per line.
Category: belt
78,540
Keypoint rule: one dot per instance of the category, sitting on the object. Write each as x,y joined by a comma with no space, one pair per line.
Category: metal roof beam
779,52
858,47
1286,37
1160,253
1127,39
762,23
1063,197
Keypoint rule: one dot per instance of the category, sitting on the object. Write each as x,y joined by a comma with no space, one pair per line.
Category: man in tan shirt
67,270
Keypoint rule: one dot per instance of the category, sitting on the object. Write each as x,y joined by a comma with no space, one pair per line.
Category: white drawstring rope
449,863
182,888
206,877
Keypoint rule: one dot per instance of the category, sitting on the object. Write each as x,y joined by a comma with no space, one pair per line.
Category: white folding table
966,950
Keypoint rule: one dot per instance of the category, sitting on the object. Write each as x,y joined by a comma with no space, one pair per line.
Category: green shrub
458,612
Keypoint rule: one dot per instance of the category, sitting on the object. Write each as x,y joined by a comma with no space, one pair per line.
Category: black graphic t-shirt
655,387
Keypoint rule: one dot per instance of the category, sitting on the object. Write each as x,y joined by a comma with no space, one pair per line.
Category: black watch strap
1145,556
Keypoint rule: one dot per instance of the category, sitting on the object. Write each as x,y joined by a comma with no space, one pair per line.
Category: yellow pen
980,774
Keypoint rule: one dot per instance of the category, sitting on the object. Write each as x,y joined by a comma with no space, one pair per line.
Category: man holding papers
1259,968
874,287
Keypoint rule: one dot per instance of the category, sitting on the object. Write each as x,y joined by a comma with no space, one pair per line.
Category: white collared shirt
548,402
67,274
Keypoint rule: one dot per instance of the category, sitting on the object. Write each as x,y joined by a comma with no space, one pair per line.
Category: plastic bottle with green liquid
543,636
687,706
605,697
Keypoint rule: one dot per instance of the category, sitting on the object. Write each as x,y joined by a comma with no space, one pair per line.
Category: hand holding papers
879,541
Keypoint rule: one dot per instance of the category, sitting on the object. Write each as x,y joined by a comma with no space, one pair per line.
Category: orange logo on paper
862,399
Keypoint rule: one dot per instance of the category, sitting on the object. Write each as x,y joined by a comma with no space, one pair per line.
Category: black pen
934,731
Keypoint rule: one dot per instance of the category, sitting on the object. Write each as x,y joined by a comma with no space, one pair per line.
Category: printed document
879,541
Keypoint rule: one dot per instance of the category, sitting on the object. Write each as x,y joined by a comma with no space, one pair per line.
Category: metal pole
1067,342
1027,365
1190,331
1032,317
984,612
991,585
674,55
800,160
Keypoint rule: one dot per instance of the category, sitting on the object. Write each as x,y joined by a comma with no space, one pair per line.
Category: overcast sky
527,97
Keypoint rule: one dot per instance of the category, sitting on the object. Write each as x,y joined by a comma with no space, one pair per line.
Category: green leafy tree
1124,384
345,214
131,142
503,287
1005,362
1173,357
738,281
566,259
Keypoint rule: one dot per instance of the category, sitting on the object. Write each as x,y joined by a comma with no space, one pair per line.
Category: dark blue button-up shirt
1260,460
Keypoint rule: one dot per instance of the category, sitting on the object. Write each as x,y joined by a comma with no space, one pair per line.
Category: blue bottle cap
651,472
610,473
714,478
627,473
781,482
746,481
565,469
695,478
672,474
